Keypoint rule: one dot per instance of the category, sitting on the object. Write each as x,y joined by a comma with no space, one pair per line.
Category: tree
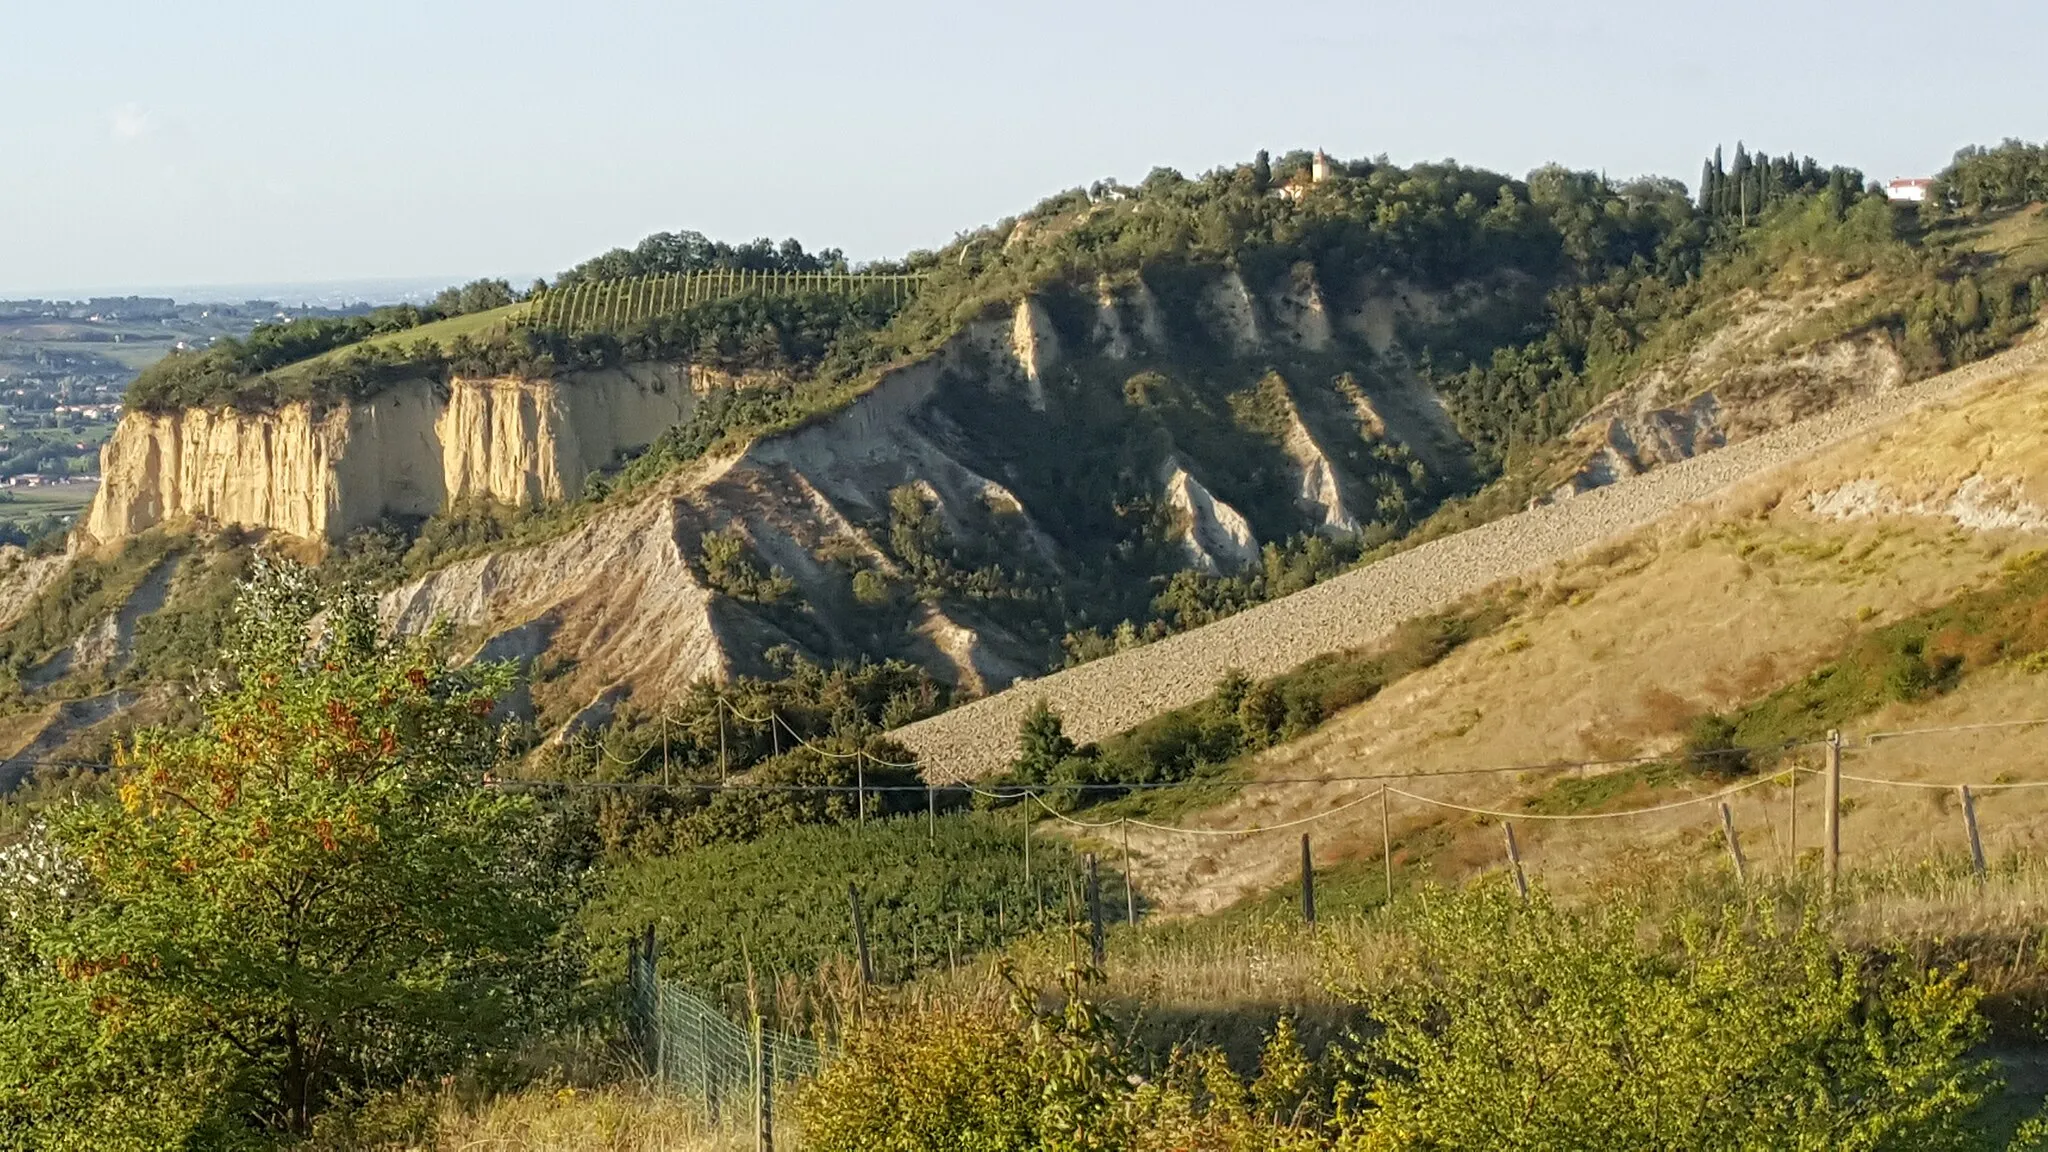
1262,172
1041,744
313,895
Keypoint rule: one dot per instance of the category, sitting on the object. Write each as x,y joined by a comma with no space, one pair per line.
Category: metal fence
693,1050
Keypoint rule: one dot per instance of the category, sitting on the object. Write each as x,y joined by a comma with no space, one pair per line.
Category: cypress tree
1741,175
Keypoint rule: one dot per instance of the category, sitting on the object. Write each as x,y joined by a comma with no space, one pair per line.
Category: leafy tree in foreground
308,898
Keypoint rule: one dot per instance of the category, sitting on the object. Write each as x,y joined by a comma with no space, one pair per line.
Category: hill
1888,582
1122,415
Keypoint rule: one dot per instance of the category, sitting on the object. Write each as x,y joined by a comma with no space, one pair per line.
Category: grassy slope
1615,656
440,332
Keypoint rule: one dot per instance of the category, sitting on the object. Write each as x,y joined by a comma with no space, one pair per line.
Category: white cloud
130,122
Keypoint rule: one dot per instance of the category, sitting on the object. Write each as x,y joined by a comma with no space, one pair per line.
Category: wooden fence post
1386,844
1094,895
1130,894
704,1067
1308,883
1792,821
764,1090
1976,841
1833,837
1734,844
1515,861
650,954
1037,897
860,936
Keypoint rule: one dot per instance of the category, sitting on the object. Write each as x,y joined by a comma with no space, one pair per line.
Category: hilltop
1126,413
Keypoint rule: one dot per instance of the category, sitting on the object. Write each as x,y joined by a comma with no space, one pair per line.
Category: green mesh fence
693,1049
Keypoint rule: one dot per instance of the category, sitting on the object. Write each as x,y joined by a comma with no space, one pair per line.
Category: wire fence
693,1050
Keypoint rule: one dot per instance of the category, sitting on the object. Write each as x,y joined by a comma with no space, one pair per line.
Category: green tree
1041,744
1262,172
311,896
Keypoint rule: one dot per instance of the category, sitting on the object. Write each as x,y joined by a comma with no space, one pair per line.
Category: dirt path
1110,695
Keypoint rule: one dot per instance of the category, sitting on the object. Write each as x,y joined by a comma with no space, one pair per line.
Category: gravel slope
1107,696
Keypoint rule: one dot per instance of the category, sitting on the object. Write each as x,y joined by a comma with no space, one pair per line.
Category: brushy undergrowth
1493,1024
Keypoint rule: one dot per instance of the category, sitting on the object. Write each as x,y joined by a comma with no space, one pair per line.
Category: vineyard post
723,770
931,814
1834,812
860,789
860,936
1734,844
1976,841
1094,894
1515,861
1308,883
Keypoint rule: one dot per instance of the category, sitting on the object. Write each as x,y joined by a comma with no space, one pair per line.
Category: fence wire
695,1051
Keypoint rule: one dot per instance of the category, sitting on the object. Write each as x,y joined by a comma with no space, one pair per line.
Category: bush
1537,1028
1501,1026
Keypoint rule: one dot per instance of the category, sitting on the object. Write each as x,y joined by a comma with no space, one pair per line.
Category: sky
145,143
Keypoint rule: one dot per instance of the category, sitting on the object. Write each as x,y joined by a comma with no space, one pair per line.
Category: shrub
1532,1027
1501,1026
977,1078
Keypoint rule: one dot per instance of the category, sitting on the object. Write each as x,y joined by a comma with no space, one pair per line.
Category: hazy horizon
445,141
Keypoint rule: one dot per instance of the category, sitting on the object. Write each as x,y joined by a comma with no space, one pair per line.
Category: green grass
20,505
442,333
1571,795
1922,655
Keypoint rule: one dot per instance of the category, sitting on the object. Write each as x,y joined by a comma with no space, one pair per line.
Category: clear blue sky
218,141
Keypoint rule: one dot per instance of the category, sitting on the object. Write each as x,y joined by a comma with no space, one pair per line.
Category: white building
1909,190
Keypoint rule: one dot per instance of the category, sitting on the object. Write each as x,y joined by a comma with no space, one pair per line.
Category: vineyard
612,304
932,892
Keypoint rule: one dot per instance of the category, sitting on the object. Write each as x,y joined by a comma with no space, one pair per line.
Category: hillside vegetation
328,866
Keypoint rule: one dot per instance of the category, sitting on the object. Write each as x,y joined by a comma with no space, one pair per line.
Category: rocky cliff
997,434
320,472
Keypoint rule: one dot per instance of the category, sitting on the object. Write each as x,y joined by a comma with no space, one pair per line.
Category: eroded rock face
319,472
1215,537
619,610
1718,394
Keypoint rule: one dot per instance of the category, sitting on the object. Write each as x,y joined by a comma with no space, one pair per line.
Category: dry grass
621,1119
1613,655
